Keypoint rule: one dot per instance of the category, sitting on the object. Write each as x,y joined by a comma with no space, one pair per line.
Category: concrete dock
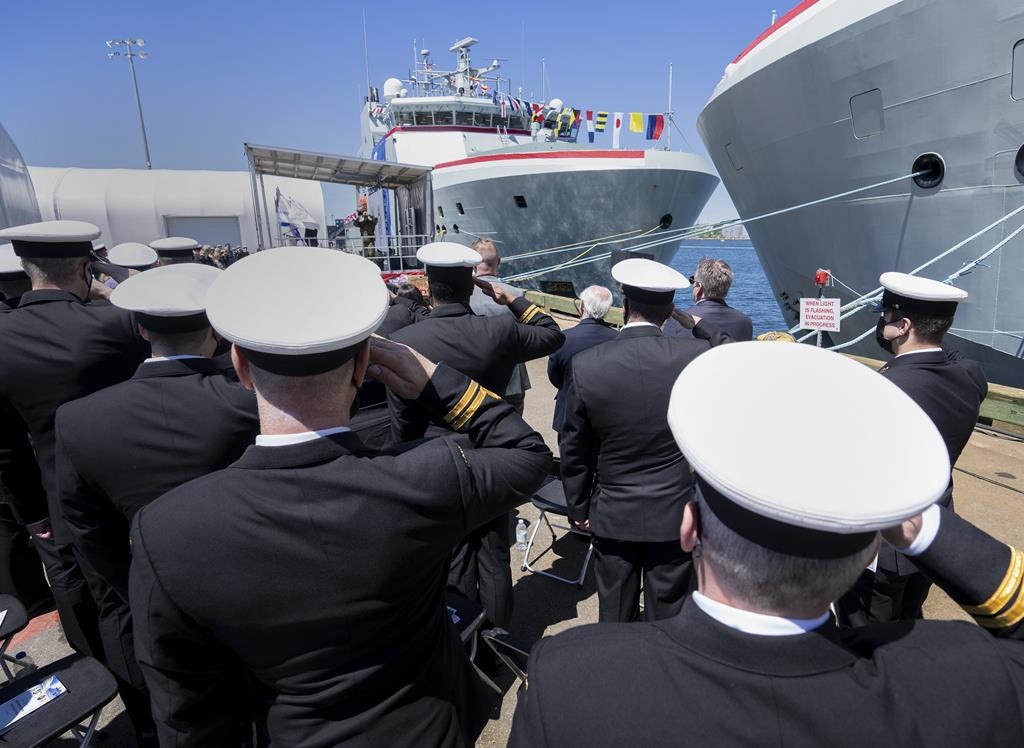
989,491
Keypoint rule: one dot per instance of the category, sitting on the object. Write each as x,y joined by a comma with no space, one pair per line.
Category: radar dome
553,104
392,88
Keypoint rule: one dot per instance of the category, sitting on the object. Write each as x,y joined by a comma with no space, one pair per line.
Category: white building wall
134,204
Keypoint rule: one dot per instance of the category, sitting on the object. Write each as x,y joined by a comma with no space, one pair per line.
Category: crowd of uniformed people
255,492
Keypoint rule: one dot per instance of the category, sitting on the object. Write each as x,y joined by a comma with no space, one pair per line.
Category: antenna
670,112
366,55
774,15
543,78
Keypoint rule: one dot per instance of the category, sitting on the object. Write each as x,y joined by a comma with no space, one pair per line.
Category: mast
669,113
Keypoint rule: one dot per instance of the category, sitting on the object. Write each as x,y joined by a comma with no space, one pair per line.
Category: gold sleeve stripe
531,311
1006,590
1011,617
468,414
460,406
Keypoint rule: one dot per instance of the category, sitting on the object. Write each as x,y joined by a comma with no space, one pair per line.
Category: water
750,292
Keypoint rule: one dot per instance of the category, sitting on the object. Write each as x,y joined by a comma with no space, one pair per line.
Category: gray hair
596,301
714,276
773,581
56,271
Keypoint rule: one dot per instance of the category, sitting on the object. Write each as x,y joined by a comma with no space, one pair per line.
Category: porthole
933,168
458,207
520,200
1019,162
440,211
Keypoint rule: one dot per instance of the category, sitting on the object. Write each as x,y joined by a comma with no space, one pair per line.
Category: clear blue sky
292,73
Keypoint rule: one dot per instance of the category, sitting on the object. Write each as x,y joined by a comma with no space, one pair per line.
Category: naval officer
58,346
176,419
915,315
132,255
174,250
488,349
623,475
314,564
754,657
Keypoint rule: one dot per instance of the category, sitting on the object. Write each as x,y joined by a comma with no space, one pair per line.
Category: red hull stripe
541,155
448,128
776,26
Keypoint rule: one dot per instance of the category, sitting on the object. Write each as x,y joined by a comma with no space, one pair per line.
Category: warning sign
819,314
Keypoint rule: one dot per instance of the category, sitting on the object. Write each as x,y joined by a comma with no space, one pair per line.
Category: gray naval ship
512,172
843,94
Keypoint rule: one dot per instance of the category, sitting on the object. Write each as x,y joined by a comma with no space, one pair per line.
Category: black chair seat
551,498
470,615
90,687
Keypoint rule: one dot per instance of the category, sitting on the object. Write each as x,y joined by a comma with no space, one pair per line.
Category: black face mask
880,336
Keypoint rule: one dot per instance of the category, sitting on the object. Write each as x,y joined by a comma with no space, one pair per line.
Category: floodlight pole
135,86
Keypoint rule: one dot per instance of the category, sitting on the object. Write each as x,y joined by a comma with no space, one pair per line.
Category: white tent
140,205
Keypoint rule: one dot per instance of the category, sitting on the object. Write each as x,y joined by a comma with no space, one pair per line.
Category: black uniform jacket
588,333
57,348
729,320
950,389
486,349
320,568
173,421
402,313
884,684
621,468
21,486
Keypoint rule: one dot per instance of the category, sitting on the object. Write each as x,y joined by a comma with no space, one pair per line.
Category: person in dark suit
593,304
916,313
487,349
315,565
624,478
177,419
58,347
755,649
711,283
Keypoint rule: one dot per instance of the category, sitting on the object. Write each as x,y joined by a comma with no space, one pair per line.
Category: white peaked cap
175,244
9,262
649,275
924,289
448,255
296,301
131,255
171,291
52,238
748,417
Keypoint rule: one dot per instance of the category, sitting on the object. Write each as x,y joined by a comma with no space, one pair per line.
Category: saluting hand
902,535
497,292
399,368
687,320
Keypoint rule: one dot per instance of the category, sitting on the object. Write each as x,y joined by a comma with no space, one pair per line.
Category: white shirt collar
756,623
171,358
638,324
920,350
284,440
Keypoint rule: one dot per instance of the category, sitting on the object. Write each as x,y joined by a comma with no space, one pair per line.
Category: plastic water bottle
24,662
521,535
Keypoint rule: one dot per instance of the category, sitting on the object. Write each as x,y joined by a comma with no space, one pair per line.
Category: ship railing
396,255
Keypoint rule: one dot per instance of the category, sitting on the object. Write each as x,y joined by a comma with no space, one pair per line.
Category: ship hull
787,134
528,203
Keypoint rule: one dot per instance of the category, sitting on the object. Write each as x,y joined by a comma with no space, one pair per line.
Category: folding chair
467,617
15,619
550,499
90,687
509,650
